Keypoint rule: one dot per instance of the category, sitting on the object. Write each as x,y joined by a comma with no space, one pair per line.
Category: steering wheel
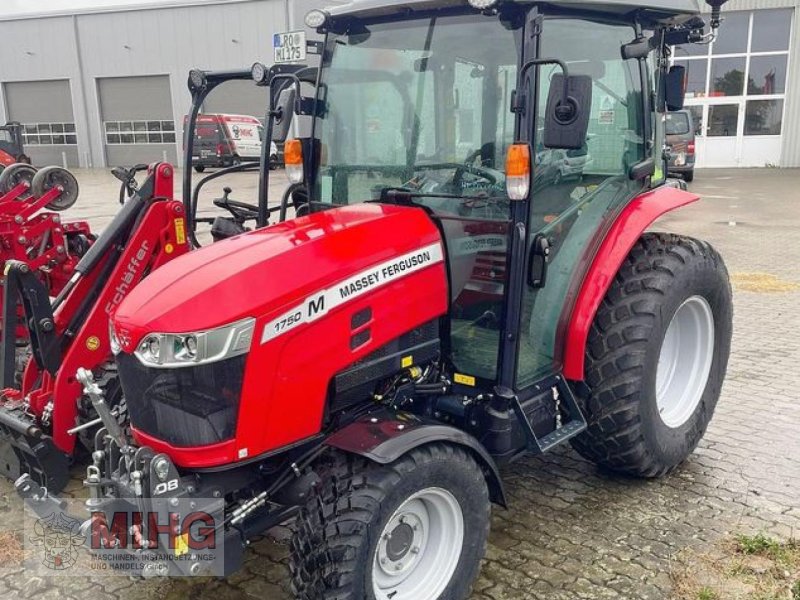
241,211
470,167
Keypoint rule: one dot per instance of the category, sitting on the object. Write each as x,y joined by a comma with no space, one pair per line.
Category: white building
108,86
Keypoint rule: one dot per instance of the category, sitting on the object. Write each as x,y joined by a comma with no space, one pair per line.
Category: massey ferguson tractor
442,304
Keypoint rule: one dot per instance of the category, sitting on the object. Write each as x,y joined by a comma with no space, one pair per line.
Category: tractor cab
11,150
414,111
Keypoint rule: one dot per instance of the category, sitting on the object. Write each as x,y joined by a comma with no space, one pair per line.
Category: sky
10,8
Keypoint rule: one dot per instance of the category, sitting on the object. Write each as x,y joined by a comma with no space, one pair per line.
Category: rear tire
648,403
357,535
200,168
689,176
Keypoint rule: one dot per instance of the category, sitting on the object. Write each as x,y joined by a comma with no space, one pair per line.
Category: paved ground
571,530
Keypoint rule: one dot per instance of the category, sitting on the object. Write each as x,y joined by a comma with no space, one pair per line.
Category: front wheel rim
419,548
684,361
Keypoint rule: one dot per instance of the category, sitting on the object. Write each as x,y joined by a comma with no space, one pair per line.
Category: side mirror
284,109
566,122
675,87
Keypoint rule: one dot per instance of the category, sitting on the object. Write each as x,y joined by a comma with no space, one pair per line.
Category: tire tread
615,352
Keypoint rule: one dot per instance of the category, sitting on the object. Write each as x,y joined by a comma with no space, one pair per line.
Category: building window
771,30
763,117
49,134
746,68
727,77
140,132
767,75
723,120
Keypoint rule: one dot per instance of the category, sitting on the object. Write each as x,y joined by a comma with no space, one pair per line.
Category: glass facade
736,86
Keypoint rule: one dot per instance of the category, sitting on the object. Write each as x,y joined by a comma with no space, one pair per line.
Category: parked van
223,140
680,130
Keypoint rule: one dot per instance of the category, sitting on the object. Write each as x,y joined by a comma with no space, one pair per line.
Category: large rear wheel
416,528
656,356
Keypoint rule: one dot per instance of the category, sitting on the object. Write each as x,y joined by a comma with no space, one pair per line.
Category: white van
223,140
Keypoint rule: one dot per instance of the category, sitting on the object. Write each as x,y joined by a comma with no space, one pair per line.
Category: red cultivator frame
49,247
42,420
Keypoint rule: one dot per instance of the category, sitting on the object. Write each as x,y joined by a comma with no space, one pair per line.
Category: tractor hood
262,273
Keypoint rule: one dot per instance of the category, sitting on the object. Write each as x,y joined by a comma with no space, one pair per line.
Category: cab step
569,419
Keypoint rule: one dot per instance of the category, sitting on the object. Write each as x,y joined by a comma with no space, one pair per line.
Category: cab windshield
422,105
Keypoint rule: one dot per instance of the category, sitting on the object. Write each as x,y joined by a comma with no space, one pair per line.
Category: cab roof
659,10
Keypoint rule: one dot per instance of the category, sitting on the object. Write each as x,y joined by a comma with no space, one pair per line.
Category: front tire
656,357
415,528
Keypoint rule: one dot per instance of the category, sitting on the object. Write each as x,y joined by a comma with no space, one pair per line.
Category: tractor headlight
482,4
197,80
316,18
259,73
171,350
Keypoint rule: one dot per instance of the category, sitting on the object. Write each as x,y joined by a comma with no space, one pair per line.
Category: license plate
289,47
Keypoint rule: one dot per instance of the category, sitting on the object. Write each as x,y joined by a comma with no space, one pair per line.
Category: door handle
538,261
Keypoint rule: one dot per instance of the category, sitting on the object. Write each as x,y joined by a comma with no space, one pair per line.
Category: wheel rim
419,548
684,363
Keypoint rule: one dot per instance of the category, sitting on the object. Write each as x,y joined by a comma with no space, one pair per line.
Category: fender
383,436
631,223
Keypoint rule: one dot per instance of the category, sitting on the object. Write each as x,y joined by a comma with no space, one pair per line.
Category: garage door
138,125
45,109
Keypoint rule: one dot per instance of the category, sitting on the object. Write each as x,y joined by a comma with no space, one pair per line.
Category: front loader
46,419
444,303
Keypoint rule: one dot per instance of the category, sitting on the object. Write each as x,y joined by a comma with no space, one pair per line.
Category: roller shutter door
45,109
137,121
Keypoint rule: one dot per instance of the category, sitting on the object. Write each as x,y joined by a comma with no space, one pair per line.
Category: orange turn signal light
293,152
518,171
293,160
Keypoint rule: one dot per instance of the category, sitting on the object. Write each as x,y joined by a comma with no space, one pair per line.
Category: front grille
188,406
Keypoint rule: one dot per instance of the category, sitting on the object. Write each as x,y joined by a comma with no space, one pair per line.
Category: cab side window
575,191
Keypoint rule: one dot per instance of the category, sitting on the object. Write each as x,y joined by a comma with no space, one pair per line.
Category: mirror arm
538,62
272,114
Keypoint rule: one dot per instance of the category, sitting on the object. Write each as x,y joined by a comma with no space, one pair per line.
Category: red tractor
443,303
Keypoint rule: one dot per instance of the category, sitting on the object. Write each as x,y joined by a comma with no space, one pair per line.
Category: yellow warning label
182,544
464,379
180,231
169,248
406,361
93,342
